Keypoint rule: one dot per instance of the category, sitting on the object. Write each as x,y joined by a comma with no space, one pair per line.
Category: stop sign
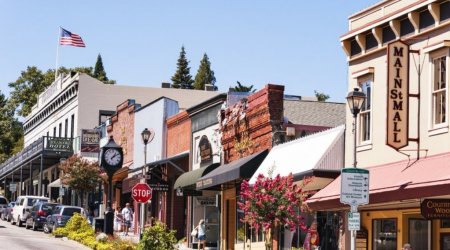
141,192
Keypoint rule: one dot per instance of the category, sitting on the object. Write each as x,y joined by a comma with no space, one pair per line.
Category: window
425,19
371,42
444,11
365,114
388,34
72,125
60,130
406,27
354,48
439,92
54,132
66,127
384,234
419,236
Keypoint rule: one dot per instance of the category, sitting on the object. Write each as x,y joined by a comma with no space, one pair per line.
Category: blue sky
254,42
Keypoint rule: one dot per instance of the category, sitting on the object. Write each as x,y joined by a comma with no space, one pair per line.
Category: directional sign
354,221
354,186
12,187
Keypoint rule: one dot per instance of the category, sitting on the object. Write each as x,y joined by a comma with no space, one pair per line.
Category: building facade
398,55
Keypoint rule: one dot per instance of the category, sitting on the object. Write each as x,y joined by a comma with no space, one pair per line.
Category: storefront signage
205,150
59,144
158,185
90,140
206,201
354,186
397,95
354,221
435,208
12,187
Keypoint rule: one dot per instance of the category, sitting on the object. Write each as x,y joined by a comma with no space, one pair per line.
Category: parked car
60,215
37,215
7,212
3,205
19,213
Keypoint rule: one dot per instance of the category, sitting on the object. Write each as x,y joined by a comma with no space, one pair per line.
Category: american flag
72,39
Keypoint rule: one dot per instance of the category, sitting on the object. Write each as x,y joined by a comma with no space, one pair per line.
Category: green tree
204,74
182,78
100,73
241,88
11,135
321,97
80,174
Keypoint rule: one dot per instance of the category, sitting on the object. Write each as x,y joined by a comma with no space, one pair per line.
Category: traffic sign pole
354,192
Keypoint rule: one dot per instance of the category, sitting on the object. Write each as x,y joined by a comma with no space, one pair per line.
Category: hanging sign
435,208
397,95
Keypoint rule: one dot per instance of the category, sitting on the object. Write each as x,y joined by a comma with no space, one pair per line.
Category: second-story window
439,91
365,117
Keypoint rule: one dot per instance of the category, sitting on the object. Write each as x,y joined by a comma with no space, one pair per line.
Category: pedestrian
201,234
118,219
407,246
127,218
312,238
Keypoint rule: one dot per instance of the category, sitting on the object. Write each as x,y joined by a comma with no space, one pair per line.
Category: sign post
354,192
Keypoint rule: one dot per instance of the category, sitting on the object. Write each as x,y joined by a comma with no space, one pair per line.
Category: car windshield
69,211
3,201
31,201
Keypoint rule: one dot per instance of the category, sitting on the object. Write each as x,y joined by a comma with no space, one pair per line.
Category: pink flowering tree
271,203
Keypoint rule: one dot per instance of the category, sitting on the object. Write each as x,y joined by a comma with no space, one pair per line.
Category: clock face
112,157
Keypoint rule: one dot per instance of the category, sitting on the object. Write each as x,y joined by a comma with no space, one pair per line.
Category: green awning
189,179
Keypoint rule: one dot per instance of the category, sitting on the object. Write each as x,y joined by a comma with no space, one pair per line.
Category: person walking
201,234
118,219
127,218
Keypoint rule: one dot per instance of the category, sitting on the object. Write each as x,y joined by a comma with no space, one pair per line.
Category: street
13,237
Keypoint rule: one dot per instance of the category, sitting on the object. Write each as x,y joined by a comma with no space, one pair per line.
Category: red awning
429,176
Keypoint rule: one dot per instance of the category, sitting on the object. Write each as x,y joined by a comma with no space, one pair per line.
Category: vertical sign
397,94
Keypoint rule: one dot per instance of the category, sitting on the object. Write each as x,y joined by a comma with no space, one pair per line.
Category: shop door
420,233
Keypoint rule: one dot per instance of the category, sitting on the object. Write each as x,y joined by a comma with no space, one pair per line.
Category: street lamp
355,100
147,136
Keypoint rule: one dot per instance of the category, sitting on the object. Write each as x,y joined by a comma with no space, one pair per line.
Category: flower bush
78,229
272,202
158,237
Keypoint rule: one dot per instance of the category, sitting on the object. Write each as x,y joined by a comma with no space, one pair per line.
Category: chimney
210,87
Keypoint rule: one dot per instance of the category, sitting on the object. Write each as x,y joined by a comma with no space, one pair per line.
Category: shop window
419,233
406,27
365,113
425,20
384,234
439,92
354,48
388,34
444,11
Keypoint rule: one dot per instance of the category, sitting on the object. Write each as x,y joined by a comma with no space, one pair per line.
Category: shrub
158,237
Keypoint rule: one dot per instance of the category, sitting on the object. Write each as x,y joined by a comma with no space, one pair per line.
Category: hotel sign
435,208
397,94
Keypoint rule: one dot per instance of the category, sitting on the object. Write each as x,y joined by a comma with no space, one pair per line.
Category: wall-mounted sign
205,150
59,144
435,208
90,140
158,185
205,201
397,95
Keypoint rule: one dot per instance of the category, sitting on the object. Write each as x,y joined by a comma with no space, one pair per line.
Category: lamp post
147,136
355,100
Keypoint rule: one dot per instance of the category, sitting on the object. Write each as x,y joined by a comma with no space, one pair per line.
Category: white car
23,206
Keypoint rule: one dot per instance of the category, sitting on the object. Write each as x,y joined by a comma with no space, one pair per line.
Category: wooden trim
436,46
362,72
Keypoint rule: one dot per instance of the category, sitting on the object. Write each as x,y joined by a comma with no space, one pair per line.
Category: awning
169,160
320,155
57,183
404,180
188,179
243,168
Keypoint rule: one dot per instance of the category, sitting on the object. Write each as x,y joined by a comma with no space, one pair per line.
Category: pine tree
204,74
182,78
99,71
241,88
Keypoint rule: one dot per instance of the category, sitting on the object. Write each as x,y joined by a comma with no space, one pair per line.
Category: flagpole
57,53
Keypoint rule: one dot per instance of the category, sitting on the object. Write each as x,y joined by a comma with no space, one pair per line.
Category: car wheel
45,228
19,222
